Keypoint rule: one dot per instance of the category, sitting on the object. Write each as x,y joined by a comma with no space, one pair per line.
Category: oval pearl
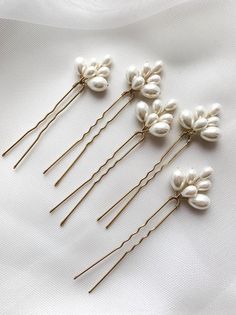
186,118
215,109
211,134
97,84
189,191
79,64
157,67
177,180
171,105
90,72
137,83
213,121
159,129
157,106
167,117
146,69
155,78
203,185
200,202
191,176
150,90
131,72
151,119
141,111
200,123
200,111
103,72
207,172
107,61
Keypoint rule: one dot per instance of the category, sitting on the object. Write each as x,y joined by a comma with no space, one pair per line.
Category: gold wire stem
86,133
42,120
97,181
91,141
46,127
146,176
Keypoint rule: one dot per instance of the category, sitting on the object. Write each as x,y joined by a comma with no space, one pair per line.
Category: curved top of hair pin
147,80
159,119
94,74
193,186
202,121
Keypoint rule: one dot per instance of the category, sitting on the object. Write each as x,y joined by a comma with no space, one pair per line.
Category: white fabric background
188,265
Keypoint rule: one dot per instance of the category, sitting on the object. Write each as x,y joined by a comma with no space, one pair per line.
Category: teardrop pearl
167,117
141,111
191,176
207,172
213,121
94,62
178,180
159,129
200,111
79,63
215,109
151,119
210,134
131,72
200,202
155,78
90,72
200,123
97,84
204,185
150,90
157,106
104,72
107,61
146,69
137,83
157,67
171,105
186,119
189,191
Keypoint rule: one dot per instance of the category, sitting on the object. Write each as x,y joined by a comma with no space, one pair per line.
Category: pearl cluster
192,187
95,74
147,80
201,121
158,121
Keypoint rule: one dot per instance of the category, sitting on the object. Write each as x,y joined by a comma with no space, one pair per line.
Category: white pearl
157,67
107,61
189,191
171,105
155,78
151,119
93,62
157,106
150,90
167,117
97,84
79,64
203,185
186,119
200,202
200,111
177,180
137,83
103,72
200,123
211,134
159,129
146,69
207,172
131,72
215,109
213,121
191,176
141,111
90,72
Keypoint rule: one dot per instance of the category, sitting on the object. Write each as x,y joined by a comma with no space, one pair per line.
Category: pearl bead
151,119
157,106
200,202
171,105
155,78
159,129
141,111
146,69
90,72
213,121
215,109
103,72
157,67
207,172
186,119
191,176
97,84
200,123
211,133
107,61
93,62
79,64
150,90
204,185
189,191
137,83
178,180
131,73
167,118
200,111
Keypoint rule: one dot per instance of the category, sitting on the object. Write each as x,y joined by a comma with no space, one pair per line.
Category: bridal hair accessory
145,82
188,186
202,122
92,75
156,122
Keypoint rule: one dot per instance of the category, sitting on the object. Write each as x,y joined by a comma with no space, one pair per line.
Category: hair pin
94,76
190,187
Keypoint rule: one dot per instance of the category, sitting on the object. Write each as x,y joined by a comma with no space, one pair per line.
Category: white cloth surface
188,265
